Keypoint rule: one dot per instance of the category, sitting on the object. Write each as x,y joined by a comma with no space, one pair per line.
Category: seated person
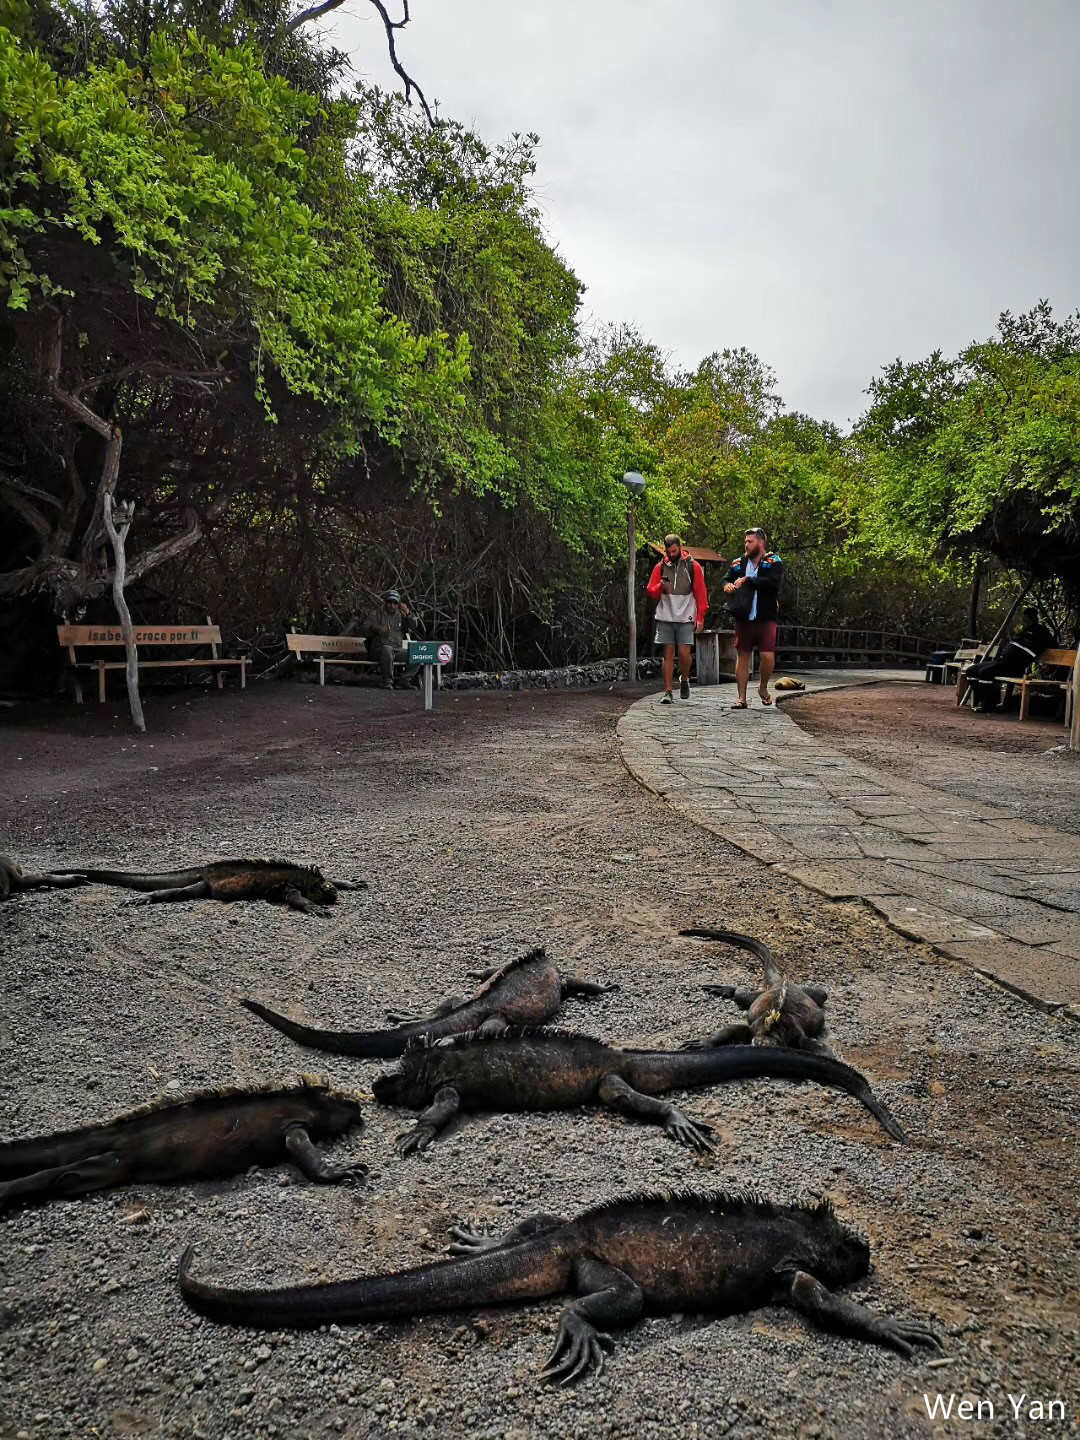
386,631
1030,638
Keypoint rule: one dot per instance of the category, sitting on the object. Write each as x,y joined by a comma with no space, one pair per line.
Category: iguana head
840,1255
315,887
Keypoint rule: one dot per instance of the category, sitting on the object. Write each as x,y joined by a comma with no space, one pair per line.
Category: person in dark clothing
386,631
753,590
1030,638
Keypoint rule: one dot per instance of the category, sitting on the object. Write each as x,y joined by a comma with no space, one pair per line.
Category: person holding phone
677,584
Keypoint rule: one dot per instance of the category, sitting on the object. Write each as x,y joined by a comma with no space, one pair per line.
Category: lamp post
635,484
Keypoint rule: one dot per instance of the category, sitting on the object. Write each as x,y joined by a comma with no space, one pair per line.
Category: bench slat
326,644
98,635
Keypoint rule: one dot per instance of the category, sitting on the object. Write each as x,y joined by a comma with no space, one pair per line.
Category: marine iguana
556,1070
302,887
216,1132
14,879
527,991
783,1013
720,1253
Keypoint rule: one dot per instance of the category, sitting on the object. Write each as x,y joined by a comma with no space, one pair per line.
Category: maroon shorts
757,635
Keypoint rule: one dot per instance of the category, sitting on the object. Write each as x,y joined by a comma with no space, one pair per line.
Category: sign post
429,654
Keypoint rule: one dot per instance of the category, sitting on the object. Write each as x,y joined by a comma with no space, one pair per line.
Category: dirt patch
916,732
498,822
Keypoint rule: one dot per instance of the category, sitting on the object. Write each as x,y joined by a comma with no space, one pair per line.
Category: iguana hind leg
468,1239
730,1035
608,1297
574,986
743,995
48,881
200,890
349,884
836,1312
618,1095
96,1172
436,1117
311,1160
817,993
444,1007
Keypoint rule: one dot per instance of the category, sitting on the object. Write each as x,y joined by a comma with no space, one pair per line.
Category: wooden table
715,655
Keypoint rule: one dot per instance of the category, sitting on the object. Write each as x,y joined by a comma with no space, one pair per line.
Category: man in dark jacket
753,590
1030,639
386,632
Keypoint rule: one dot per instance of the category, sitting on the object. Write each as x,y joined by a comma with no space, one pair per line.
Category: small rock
99,1364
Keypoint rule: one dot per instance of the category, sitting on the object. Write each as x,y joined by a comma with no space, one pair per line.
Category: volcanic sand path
497,822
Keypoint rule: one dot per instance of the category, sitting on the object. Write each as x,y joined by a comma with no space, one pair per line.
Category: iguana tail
744,942
135,880
657,1071
530,1269
372,1044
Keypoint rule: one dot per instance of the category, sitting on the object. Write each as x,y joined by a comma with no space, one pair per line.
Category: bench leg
101,682
322,672
221,680
1025,700
243,675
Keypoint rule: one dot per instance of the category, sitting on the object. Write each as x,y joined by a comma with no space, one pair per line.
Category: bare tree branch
323,7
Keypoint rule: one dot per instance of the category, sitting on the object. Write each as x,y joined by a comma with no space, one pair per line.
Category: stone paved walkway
973,881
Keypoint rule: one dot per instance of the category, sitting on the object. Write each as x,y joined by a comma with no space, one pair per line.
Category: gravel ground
916,732
500,821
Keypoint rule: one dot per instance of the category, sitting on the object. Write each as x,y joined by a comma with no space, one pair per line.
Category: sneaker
669,698
684,689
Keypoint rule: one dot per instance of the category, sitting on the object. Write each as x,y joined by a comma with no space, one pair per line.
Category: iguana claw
467,1239
579,1348
415,1140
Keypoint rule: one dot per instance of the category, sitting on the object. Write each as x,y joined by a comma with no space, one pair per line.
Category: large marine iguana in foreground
217,1132
719,1253
782,1013
556,1070
527,991
302,887
14,879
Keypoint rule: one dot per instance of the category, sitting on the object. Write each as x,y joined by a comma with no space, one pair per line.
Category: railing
818,644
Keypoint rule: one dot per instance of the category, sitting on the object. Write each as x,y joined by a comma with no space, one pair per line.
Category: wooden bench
1028,683
110,637
968,653
336,650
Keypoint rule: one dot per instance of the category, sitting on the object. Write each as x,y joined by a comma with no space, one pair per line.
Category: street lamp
635,484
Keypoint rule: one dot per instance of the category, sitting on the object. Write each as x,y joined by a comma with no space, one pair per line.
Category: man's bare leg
742,673
767,661
684,662
669,667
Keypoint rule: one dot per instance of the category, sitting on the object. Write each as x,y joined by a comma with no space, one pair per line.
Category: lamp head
634,482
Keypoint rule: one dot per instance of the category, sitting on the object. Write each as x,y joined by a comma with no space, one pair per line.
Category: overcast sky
832,183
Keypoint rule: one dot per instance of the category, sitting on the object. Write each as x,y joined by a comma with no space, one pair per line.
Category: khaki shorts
674,632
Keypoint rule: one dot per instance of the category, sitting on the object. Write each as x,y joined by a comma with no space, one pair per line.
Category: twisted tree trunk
117,520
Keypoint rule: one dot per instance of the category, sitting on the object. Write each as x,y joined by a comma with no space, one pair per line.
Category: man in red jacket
677,584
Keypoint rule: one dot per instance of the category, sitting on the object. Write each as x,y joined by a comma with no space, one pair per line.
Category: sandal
765,699
740,705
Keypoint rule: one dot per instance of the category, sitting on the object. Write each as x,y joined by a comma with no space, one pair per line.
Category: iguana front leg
835,1312
467,1239
349,884
200,890
608,1297
574,986
730,1035
618,1095
312,1162
436,1117
817,993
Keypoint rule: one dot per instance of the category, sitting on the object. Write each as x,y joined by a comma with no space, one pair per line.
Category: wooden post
1074,727
631,612
117,534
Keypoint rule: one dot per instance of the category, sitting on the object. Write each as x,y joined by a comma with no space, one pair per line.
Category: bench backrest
1057,657
112,635
326,644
